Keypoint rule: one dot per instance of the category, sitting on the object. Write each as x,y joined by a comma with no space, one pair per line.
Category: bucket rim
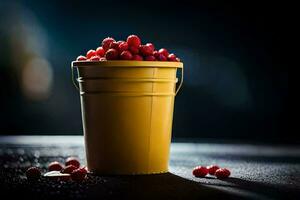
128,63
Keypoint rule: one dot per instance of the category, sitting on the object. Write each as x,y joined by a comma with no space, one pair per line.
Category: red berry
111,54
68,169
200,171
126,55
73,161
106,42
95,58
102,59
79,174
150,58
222,173
114,45
55,166
161,57
100,51
123,46
90,53
156,54
86,169
151,46
146,50
137,57
177,59
212,168
80,58
164,52
33,173
172,57
133,40
134,50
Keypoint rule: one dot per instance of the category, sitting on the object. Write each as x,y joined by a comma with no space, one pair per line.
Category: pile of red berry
131,49
220,173
57,171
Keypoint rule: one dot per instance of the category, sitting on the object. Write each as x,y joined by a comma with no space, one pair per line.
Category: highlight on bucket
127,93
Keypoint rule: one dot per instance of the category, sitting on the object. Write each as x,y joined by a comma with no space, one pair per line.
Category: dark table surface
258,171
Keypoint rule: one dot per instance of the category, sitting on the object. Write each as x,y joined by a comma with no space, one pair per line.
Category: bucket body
127,112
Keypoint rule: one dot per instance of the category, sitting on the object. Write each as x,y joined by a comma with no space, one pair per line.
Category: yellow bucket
127,113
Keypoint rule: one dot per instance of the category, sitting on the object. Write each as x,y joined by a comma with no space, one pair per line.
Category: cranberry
222,173
123,46
57,175
133,40
126,55
86,169
106,42
200,171
33,173
102,59
171,57
137,57
161,57
134,50
81,58
150,58
146,50
156,54
68,169
73,161
151,46
95,58
164,52
100,51
212,168
177,59
114,45
90,53
55,166
79,174
111,54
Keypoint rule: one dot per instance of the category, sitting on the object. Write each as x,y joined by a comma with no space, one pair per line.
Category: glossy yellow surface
127,112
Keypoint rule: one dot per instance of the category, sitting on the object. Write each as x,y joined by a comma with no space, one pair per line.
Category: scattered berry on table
33,173
72,161
212,169
200,171
55,166
68,169
222,173
79,174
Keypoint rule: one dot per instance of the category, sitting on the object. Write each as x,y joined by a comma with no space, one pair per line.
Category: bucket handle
177,90
181,81
73,80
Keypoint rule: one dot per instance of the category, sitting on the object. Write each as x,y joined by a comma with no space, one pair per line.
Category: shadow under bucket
127,113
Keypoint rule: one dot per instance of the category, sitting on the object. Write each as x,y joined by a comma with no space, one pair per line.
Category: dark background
236,79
